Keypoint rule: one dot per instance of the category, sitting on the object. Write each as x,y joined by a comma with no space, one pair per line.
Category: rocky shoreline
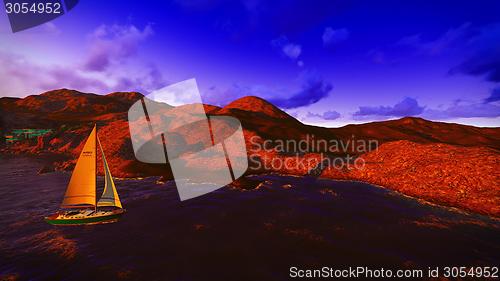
463,178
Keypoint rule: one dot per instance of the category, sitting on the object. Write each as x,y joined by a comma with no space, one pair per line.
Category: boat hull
85,219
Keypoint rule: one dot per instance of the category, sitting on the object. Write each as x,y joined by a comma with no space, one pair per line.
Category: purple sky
327,63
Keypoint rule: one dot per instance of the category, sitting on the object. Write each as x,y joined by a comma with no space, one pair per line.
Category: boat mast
95,126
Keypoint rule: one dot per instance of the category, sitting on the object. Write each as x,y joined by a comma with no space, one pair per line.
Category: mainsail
109,195
82,185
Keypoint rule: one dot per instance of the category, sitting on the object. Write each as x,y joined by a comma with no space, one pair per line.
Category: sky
327,63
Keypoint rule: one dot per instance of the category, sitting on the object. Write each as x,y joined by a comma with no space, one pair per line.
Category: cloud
288,49
495,96
21,76
410,107
327,115
484,54
485,64
455,39
312,89
462,110
332,36
112,43
331,115
292,50
451,38
478,46
50,28
377,56
406,107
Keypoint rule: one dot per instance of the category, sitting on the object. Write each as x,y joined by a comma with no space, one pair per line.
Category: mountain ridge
256,104
445,163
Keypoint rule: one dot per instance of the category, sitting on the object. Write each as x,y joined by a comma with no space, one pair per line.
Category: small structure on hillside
17,135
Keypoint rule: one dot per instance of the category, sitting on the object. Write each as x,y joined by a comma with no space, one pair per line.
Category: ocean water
231,234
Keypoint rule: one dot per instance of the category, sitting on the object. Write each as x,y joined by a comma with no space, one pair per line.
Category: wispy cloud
104,68
377,56
50,28
480,44
292,50
21,77
312,89
485,55
460,109
451,38
332,36
454,39
494,96
406,107
410,107
288,49
112,43
327,115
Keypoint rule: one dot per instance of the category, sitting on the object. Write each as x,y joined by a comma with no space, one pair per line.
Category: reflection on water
230,234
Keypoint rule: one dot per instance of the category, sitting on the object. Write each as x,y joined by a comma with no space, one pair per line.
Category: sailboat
79,206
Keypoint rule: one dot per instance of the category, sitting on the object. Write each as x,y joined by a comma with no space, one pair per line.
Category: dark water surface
230,234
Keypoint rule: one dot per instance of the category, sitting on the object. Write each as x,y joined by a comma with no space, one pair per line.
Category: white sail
109,195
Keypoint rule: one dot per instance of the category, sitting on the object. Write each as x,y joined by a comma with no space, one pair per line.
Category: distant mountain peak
256,104
62,92
128,97
413,120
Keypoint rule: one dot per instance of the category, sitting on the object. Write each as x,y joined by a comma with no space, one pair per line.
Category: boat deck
86,216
